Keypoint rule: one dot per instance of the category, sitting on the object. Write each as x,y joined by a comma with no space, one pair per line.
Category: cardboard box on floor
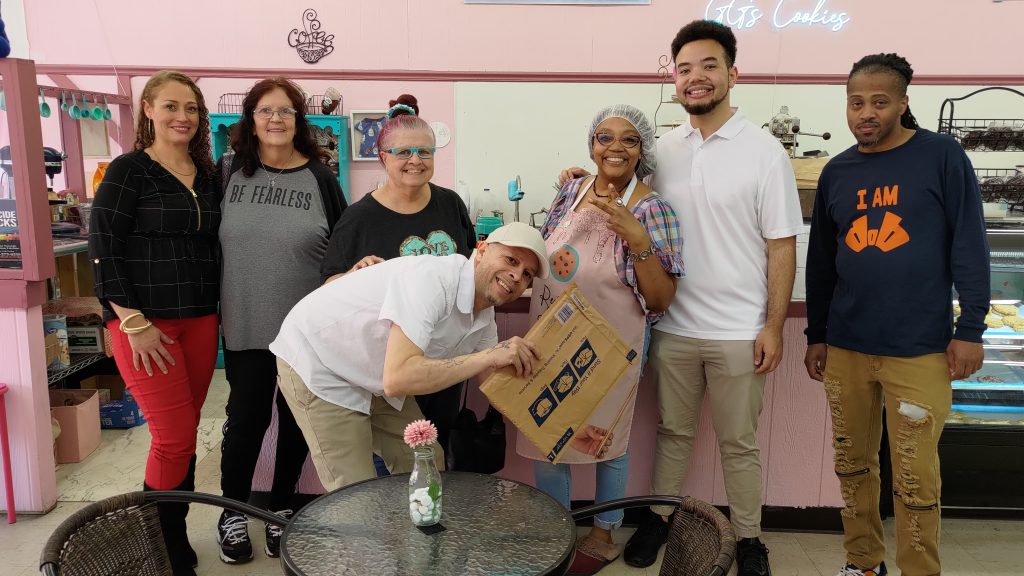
78,413
582,357
118,408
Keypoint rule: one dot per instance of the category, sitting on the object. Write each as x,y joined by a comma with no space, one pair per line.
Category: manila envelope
582,357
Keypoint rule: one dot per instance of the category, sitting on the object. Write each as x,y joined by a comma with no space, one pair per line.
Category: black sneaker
273,532
752,558
233,537
642,549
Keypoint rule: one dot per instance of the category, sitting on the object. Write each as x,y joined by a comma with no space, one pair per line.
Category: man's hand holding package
408,372
515,352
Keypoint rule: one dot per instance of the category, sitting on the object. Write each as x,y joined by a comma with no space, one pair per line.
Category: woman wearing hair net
619,242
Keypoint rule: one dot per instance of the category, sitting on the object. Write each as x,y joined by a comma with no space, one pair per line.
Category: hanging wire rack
231,103
665,73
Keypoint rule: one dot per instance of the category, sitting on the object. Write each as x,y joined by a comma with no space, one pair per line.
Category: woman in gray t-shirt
279,206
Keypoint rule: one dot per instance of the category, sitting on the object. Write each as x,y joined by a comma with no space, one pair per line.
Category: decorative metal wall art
310,43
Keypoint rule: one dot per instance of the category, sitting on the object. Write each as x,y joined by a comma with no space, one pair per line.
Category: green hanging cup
44,108
97,112
75,112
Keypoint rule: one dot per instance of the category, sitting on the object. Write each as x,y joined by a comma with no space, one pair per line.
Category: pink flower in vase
420,433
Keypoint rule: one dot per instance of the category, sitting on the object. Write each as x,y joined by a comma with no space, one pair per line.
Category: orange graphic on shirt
886,238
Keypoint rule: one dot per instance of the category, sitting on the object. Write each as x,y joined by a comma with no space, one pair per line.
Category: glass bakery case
982,445
994,396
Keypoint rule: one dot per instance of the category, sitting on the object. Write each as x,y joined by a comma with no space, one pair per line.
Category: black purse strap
465,394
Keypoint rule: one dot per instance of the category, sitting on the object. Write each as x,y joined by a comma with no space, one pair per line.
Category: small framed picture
366,125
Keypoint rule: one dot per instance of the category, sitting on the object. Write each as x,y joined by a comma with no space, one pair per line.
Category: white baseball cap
521,235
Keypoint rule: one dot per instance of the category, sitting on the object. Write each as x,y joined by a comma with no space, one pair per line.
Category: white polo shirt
730,192
336,337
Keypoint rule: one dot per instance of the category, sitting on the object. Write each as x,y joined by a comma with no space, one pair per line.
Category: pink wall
450,35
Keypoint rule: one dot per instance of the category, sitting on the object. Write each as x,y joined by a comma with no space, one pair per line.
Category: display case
330,131
982,445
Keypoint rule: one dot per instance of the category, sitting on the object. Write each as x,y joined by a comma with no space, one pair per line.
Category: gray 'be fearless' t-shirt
273,240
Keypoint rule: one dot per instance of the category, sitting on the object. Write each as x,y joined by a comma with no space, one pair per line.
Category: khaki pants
918,395
685,368
342,441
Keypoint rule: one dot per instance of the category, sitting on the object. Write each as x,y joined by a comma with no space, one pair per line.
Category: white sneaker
852,570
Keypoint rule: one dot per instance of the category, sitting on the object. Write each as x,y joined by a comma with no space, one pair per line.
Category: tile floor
969,547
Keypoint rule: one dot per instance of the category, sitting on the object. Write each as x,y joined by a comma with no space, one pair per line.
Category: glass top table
493,527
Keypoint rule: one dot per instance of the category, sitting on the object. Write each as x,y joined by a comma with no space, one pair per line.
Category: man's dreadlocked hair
891,64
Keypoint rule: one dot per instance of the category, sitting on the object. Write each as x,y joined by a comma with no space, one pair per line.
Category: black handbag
477,446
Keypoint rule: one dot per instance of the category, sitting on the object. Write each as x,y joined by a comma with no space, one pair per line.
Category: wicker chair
120,535
701,541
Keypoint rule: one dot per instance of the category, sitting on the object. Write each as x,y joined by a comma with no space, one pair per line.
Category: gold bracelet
124,328
129,317
137,329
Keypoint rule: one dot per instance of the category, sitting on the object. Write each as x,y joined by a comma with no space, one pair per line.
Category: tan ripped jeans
917,394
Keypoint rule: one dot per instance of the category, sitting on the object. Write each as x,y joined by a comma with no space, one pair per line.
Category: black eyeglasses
606,139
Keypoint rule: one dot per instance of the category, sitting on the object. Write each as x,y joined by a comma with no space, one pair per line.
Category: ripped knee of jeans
915,418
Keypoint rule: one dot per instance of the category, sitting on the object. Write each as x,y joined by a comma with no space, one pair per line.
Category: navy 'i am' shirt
891,234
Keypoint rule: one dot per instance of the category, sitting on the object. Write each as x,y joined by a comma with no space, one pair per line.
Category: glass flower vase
425,493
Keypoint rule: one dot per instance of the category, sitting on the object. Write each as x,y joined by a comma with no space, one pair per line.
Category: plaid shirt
657,217
152,243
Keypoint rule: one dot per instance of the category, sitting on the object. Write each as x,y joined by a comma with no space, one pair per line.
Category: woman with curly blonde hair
156,262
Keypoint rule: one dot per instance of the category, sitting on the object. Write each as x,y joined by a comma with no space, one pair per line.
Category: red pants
171,402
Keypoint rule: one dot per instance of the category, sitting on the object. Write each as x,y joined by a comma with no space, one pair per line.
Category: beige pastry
956,309
993,321
1005,309
1015,322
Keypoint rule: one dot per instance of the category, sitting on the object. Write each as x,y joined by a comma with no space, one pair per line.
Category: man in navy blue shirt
897,223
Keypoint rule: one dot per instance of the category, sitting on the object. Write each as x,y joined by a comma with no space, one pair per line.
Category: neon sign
741,15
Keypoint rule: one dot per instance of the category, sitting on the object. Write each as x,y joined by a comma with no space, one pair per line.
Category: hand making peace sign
621,220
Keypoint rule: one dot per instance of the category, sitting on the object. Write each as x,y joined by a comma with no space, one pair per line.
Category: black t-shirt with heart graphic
368,228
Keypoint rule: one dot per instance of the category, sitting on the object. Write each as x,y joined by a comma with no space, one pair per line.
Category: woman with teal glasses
406,216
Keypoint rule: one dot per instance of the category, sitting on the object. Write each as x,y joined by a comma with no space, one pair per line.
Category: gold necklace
161,162
273,179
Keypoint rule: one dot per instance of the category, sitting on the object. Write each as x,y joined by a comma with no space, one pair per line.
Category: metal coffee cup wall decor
310,43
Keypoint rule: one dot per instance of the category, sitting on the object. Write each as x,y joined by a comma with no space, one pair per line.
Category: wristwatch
642,255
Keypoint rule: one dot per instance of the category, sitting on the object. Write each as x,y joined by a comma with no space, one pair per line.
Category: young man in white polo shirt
351,352
732,186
